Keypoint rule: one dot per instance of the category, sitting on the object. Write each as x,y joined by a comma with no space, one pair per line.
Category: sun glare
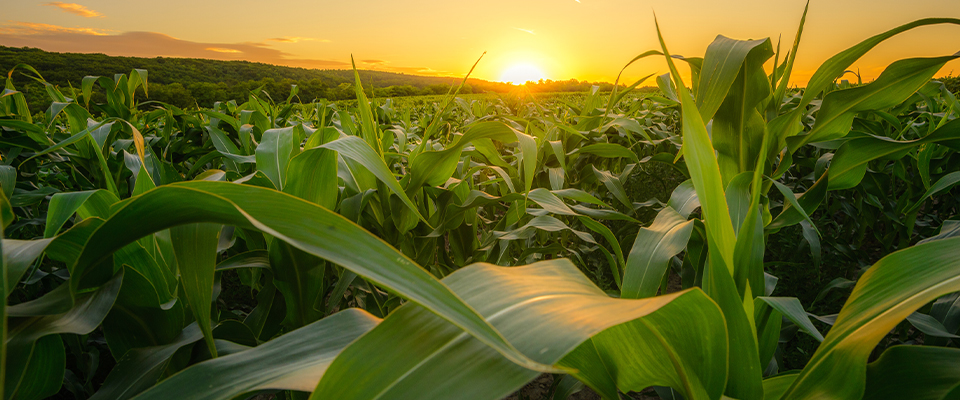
522,73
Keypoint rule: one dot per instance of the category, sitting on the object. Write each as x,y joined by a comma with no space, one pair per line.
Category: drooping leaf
304,225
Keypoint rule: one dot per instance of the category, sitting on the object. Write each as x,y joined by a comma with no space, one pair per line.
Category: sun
519,74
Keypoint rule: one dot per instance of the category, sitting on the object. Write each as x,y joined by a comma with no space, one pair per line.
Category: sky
556,39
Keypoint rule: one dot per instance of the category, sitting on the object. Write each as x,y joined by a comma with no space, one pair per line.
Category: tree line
186,82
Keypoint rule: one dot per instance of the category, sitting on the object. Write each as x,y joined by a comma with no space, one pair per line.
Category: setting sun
522,73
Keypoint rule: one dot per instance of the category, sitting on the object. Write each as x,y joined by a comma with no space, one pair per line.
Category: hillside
189,82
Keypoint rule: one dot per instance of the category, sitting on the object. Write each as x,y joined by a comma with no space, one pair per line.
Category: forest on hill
186,82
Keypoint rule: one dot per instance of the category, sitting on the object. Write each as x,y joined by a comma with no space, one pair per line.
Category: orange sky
583,39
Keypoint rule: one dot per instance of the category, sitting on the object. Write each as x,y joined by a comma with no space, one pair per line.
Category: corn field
461,248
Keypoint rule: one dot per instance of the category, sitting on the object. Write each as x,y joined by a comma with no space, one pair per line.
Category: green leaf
684,199
312,176
550,202
293,361
722,64
913,372
274,152
87,203
885,295
609,150
299,277
894,85
435,167
929,326
528,159
849,164
26,353
775,387
357,150
579,195
652,250
139,369
611,239
544,223
369,129
614,185
828,72
5,213
551,312
195,246
18,256
791,308
567,387
944,183
8,179
704,170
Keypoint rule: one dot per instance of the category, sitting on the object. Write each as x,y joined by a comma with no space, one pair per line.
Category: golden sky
582,39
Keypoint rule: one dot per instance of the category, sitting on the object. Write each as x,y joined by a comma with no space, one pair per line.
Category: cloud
223,50
384,65
146,44
295,39
153,44
416,70
74,8
31,28
525,30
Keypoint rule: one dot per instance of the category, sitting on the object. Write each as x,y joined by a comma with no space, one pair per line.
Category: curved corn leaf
614,185
549,201
791,308
885,295
849,164
276,149
28,355
894,85
652,250
293,361
913,372
304,225
139,369
722,66
775,387
544,223
356,149
609,150
551,312
945,183
834,67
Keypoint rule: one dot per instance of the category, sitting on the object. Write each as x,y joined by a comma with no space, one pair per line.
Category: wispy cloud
295,39
223,50
383,65
525,30
32,28
74,8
